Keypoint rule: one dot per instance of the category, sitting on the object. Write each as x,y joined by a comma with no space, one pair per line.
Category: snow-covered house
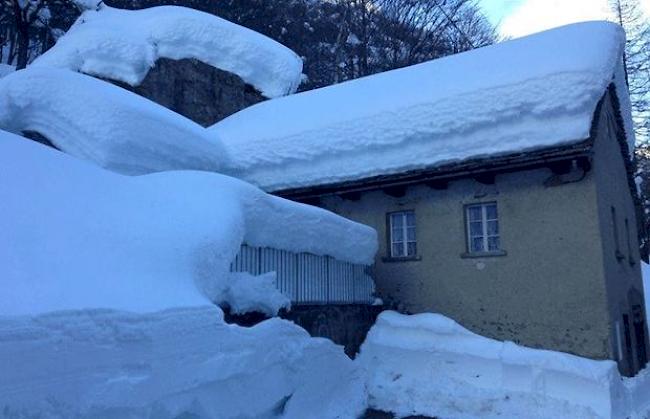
500,181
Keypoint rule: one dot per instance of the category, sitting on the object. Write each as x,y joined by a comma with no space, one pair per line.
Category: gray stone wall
346,325
195,90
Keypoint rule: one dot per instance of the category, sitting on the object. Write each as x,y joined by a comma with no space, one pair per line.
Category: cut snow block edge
123,45
428,364
180,362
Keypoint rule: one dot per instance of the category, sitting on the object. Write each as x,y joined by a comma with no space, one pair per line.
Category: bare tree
629,15
26,27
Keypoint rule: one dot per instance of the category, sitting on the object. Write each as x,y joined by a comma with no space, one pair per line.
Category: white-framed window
402,234
482,228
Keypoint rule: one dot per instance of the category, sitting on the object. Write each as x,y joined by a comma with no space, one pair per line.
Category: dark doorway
640,335
628,343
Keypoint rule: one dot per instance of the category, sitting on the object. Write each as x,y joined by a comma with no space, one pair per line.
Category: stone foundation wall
346,325
195,90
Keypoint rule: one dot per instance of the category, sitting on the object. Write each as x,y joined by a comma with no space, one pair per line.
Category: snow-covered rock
97,121
525,94
124,44
430,365
75,236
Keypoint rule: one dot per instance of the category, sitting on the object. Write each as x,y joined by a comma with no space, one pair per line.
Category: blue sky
521,17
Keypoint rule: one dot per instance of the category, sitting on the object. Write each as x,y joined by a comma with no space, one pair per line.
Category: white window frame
484,227
403,228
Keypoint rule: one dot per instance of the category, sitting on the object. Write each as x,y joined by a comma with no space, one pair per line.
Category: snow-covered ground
107,283
541,91
428,364
124,44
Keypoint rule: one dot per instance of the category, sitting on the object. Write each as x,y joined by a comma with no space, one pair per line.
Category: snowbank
428,364
96,121
75,236
124,44
183,362
540,91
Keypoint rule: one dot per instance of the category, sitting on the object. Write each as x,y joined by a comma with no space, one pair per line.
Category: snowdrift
75,236
124,44
540,91
428,364
183,362
99,122
107,283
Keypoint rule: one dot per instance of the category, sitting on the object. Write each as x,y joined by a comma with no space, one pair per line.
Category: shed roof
526,94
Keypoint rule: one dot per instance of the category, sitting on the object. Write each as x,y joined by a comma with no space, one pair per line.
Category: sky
521,17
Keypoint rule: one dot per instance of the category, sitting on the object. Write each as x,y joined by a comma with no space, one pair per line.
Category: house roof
124,44
526,94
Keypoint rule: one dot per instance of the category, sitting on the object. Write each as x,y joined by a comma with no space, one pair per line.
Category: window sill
402,259
478,255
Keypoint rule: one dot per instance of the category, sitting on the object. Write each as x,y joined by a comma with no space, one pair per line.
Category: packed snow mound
97,121
75,236
178,363
520,95
124,44
248,293
428,364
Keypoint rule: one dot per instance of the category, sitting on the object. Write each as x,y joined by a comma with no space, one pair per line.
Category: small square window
483,228
403,243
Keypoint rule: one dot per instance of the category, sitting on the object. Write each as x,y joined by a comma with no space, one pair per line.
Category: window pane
493,243
398,250
412,250
474,213
491,210
477,244
397,235
410,218
410,234
493,228
396,220
475,229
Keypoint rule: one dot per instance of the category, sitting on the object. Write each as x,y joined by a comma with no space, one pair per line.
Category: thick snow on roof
124,44
97,121
524,94
76,236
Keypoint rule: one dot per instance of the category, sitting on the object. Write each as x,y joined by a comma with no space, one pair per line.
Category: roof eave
492,165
